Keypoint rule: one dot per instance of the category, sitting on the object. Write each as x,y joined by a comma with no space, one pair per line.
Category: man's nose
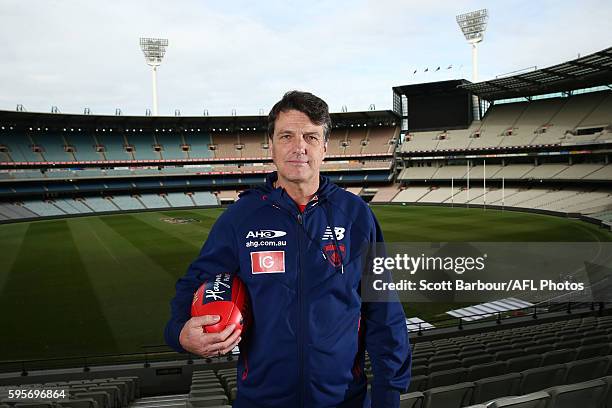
300,144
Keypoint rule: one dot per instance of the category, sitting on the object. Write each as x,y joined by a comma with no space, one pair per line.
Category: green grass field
101,285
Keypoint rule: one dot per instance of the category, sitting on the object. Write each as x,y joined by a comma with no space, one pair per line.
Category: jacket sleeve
387,343
218,255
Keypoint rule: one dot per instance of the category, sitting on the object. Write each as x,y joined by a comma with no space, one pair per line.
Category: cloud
243,55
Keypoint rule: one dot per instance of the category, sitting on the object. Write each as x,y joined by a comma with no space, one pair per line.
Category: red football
223,296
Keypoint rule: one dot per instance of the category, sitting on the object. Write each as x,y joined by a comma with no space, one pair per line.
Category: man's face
298,147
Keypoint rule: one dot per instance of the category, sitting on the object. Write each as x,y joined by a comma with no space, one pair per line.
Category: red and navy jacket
303,270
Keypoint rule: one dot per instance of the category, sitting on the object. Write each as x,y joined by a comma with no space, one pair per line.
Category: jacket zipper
300,231
300,317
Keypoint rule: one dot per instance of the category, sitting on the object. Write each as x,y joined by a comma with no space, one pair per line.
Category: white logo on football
266,234
339,231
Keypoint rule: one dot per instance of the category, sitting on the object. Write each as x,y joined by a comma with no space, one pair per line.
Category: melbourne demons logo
268,262
333,253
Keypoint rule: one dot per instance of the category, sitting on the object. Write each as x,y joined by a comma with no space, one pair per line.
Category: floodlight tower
154,50
473,26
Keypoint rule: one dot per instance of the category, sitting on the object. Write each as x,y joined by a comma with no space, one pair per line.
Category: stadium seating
198,145
113,146
132,144
53,145
84,145
19,146
113,392
570,201
143,146
449,172
385,194
99,204
586,394
456,395
487,389
535,400
380,140
16,211
72,206
509,172
539,122
226,145
556,372
418,173
179,200
252,144
362,140
170,146
128,203
43,208
204,198
353,143
437,195
153,201
443,384
421,141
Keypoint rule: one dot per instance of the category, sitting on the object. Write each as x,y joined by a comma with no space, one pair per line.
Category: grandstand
107,165
545,122
541,144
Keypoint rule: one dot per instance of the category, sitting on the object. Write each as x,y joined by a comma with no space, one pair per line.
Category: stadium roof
584,72
232,123
429,88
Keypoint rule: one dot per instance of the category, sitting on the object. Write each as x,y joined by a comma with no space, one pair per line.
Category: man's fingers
222,335
230,340
214,347
218,349
231,347
205,320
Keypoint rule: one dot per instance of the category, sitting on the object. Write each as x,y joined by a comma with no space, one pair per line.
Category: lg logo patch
268,262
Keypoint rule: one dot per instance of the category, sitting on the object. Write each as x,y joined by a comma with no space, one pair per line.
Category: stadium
99,210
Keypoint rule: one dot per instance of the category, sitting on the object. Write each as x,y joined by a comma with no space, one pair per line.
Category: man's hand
194,340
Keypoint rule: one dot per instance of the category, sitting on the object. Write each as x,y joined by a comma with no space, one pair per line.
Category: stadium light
473,26
154,50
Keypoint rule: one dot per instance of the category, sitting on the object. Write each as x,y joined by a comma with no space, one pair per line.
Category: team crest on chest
334,252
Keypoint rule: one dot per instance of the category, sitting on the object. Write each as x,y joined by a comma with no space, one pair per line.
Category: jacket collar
325,190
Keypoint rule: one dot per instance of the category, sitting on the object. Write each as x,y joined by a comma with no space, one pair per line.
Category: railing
460,323
151,354
162,353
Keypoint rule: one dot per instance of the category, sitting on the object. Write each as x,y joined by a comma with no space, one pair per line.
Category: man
310,328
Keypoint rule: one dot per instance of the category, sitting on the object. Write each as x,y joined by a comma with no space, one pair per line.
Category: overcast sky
245,55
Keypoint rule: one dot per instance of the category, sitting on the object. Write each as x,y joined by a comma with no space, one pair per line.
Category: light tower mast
154,50
473,26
